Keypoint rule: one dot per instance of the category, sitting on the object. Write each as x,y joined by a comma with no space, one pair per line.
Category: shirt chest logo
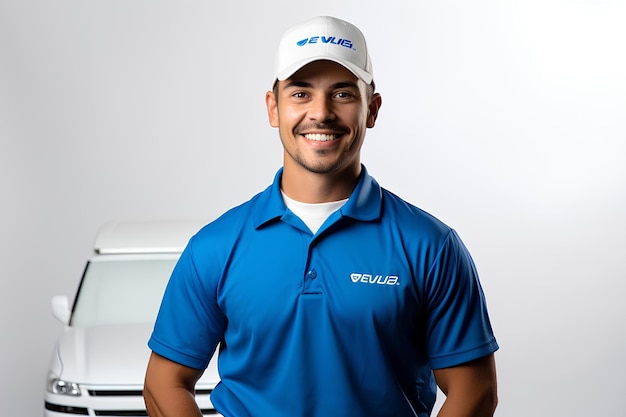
372,279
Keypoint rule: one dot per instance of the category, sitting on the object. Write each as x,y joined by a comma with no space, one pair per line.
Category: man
329,296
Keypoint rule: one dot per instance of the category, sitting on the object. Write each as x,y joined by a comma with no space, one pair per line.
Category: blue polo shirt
348,321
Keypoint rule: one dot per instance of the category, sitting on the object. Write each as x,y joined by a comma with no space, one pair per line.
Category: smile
320,137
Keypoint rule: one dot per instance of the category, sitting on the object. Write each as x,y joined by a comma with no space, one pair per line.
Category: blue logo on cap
326,39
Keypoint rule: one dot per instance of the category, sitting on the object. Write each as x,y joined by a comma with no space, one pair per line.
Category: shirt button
312,274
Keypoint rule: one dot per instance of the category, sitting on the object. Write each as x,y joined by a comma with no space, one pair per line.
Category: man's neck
309,187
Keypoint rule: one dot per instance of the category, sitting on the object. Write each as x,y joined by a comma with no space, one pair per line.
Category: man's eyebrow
297,84
345,84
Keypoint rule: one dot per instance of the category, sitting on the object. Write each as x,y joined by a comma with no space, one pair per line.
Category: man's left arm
471,388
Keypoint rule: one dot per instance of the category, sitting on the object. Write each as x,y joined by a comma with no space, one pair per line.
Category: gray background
506,119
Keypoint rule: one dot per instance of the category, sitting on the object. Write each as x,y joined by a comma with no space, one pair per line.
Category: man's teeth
320,137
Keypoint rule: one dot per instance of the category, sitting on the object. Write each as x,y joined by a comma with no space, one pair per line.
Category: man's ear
374,107
272,108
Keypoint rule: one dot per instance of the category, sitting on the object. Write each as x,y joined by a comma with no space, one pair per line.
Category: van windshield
122,291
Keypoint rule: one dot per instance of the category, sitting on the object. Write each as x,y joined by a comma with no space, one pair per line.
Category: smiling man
322,112
327,294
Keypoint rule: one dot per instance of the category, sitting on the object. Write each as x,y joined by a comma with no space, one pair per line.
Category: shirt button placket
311,284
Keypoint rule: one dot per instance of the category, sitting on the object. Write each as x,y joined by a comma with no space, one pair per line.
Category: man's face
322,112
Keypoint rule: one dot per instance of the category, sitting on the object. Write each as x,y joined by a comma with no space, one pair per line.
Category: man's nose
321,110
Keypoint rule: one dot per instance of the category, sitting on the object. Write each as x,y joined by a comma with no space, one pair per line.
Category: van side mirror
61,308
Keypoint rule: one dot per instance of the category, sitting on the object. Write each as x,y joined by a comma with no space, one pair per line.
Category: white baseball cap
323,38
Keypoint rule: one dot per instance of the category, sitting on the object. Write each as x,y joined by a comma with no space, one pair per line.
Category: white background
506,119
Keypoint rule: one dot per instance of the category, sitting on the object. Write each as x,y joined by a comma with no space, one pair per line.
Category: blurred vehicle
98,365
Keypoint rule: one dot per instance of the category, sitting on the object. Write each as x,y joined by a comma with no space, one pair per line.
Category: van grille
66,409
70,410
130,393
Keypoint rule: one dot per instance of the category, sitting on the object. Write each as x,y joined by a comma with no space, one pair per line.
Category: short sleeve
458,328
189,324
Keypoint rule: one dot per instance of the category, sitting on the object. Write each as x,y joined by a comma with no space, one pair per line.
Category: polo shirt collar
364,204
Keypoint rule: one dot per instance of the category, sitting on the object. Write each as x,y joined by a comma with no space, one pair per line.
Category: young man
330,296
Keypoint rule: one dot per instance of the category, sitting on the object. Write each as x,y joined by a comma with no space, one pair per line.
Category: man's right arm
169,388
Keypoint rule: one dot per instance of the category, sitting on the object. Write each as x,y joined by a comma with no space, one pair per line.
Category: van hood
105,355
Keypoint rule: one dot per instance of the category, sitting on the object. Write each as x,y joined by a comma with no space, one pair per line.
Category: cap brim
292,69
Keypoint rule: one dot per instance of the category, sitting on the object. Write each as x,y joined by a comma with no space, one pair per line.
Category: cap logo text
326,39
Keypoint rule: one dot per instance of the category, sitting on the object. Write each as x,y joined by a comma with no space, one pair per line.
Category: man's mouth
320,137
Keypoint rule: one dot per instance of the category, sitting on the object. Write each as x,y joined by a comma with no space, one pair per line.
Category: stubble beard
320,162
318,167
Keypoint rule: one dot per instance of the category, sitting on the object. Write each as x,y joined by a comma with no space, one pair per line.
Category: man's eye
299,94
343,94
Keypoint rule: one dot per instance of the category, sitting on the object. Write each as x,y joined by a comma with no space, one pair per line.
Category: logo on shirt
374,279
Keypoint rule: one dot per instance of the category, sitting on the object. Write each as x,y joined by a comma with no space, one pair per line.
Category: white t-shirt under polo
312,214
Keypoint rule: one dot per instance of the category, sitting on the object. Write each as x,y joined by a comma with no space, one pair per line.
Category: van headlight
61,387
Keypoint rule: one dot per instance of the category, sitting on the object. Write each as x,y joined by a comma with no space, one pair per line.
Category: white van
99,362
